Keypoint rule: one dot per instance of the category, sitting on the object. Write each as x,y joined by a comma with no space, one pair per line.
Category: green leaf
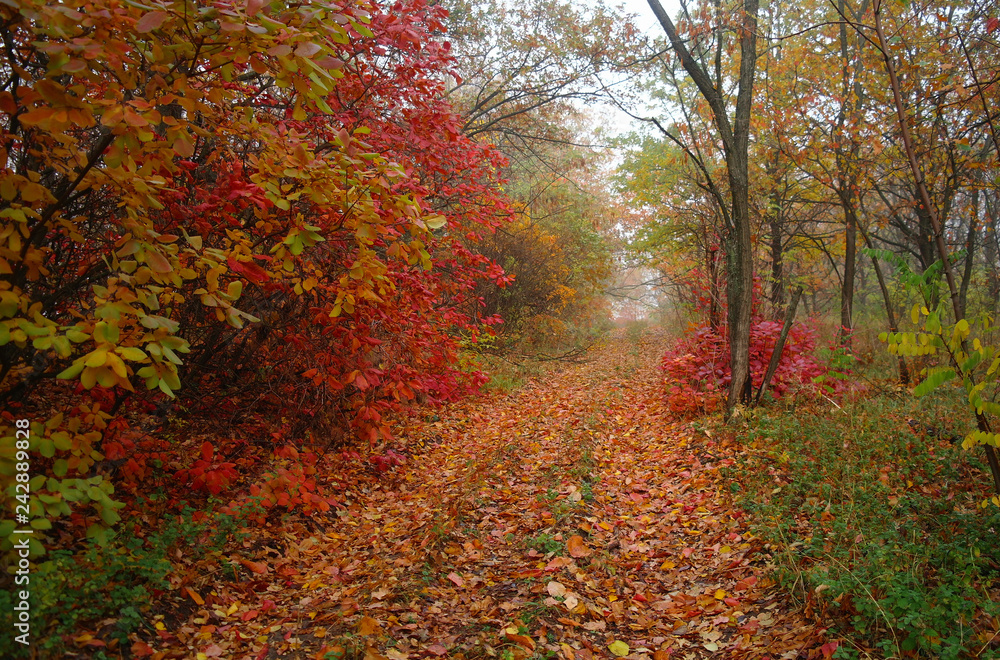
933,381
41,523
132,353
72,371
46,447
109,516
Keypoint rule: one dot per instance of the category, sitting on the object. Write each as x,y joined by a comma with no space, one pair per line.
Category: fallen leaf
367,626
555,589
194,596
141,649
457,579
619,648
829,649
576,547
371,654
258,567
515,637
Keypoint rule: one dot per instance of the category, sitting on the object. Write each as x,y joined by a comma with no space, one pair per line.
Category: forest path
572,518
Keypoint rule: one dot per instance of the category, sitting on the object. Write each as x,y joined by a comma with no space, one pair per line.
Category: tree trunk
890,314
777,266
991,254
739,286
779,346
970,255
847,186
847,285
735,136
714,303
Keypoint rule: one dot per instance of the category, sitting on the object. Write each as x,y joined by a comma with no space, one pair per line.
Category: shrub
697,367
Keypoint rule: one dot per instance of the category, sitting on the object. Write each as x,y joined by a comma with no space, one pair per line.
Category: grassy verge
112,587
872,514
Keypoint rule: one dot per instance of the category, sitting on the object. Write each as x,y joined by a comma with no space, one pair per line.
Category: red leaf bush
696,369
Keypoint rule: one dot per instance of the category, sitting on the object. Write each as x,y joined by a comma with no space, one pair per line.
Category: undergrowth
871,512
116,583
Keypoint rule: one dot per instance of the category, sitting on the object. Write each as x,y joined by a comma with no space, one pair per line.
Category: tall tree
735,135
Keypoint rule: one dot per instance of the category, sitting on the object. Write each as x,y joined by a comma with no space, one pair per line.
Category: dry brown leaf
368,626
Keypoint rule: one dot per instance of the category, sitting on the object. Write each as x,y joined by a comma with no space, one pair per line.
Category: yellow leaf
157,262
619,648
435,221
97,358
113,116
182,146
117,365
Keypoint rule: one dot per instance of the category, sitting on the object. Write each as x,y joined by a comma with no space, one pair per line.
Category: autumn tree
274,206
525,76
734,132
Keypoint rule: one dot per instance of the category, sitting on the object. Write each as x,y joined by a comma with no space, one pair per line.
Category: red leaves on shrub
697,368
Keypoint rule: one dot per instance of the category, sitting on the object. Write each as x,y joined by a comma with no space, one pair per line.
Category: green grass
878,528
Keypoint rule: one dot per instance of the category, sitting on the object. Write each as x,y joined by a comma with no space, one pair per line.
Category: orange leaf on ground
513,636
577,547
367,626
141,650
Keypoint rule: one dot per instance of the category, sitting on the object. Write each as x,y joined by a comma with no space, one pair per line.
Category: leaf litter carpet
573,518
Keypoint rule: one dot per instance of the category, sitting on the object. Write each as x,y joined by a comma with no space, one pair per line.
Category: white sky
645,21
618,122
